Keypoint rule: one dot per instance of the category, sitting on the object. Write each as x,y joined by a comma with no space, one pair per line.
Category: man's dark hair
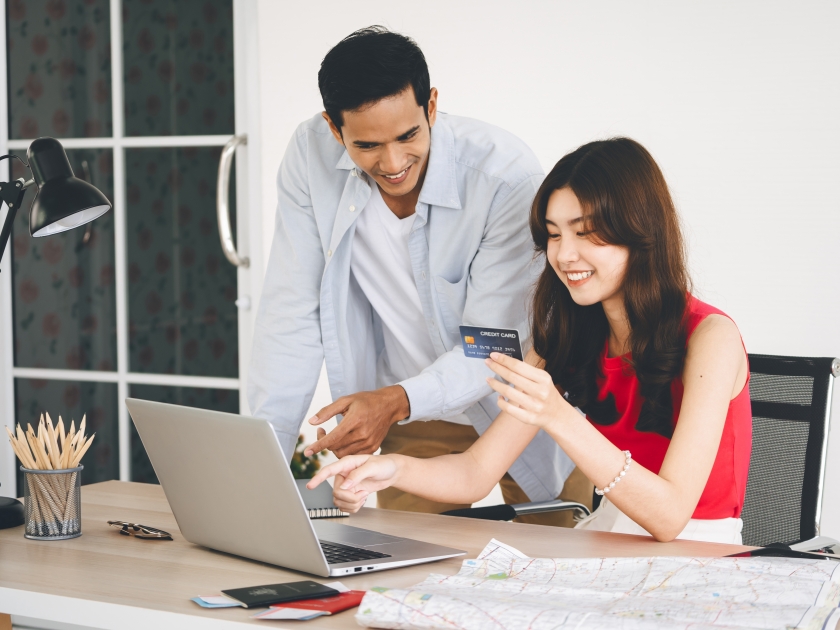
368,65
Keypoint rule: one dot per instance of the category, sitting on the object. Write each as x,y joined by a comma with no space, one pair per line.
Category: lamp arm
12,193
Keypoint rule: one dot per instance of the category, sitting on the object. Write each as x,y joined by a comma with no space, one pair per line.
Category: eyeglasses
140,531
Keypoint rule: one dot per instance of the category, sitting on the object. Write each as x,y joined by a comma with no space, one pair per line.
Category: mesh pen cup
52,503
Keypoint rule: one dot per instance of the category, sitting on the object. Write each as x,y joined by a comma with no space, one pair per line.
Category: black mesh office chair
791,406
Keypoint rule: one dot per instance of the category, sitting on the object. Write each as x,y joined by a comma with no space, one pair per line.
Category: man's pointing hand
367,418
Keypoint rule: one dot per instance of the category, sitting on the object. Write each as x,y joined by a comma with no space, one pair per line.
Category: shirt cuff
424,397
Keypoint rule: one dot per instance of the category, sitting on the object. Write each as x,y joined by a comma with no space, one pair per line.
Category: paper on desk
497,546
298,614
215,601
503,588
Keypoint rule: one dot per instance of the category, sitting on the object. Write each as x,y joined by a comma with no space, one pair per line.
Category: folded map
504,589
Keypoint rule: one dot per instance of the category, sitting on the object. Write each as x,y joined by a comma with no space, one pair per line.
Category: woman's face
592,272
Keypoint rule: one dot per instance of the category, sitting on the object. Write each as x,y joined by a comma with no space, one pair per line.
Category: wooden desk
105,580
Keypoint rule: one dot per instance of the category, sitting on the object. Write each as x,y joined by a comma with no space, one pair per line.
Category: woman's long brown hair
626,202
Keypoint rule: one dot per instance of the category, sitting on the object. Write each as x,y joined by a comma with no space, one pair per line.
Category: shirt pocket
452,297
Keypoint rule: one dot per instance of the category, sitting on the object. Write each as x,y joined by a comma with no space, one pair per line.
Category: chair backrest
791,409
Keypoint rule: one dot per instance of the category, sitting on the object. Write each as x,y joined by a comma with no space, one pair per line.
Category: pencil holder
52,503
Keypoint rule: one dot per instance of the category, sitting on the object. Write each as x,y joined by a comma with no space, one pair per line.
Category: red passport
330,605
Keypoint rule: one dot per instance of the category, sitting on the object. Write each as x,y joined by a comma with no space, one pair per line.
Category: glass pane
181,288
178,64
71,400
59,54
64,291
216,399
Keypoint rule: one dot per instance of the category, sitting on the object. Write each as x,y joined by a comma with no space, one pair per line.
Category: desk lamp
62,203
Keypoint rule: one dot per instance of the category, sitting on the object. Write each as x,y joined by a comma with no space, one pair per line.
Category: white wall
738,102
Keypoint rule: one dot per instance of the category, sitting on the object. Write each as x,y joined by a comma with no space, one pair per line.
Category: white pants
608,518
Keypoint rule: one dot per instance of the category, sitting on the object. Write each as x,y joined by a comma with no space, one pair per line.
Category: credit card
479,342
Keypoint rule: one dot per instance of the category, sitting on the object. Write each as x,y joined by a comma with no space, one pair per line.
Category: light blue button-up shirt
473,263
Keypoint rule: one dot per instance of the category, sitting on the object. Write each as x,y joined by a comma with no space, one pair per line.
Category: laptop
230,489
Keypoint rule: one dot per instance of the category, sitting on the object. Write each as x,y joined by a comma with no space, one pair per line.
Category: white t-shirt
381,265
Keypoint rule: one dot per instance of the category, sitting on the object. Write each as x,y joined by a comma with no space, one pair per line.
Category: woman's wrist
561,421
399,462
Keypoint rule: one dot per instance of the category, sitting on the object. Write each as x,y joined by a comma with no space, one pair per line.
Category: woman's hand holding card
531,396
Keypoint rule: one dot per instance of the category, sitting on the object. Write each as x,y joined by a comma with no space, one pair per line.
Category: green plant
304,467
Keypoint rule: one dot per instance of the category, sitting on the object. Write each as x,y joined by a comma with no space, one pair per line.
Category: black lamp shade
63,201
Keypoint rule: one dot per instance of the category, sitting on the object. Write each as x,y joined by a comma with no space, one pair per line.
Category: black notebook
319,502
268,594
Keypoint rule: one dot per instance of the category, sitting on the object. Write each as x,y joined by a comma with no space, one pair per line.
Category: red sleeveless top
723,496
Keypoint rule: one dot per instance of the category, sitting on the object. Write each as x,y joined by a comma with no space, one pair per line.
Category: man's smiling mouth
399,177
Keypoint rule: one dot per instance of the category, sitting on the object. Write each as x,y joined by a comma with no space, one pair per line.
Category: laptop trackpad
348,535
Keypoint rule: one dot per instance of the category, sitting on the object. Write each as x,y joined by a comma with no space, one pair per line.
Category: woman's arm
715,372
463,478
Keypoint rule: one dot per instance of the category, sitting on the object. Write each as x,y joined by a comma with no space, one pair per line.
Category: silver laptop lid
228,484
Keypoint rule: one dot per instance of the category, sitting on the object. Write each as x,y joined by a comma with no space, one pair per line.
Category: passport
479,341
260,596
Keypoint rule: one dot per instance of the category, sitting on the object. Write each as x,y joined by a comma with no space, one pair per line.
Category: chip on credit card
479,342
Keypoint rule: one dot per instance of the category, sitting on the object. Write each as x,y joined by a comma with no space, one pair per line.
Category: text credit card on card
479,342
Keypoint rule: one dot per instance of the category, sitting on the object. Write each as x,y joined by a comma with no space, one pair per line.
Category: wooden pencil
24,445
69,506
35,451
69,448
34,497
77,460
43,438
52,444
42,451
80,434
38,444
65,454
17,448
25,455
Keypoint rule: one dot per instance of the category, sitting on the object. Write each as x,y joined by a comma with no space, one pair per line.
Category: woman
660,376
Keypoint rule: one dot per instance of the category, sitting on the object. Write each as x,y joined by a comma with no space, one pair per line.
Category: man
395,225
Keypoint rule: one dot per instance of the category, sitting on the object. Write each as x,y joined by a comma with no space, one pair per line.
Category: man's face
389,140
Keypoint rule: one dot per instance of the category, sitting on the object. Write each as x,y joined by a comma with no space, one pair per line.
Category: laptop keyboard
336,554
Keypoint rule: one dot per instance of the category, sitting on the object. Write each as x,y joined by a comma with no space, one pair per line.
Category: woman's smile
577,278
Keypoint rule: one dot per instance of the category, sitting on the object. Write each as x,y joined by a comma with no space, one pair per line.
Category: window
140,302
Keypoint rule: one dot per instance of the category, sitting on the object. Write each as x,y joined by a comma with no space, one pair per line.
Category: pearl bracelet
627,460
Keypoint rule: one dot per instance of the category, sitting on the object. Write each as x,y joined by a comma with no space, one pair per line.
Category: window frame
249,280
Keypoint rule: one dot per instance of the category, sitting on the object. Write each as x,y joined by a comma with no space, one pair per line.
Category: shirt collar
440,187
345,163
